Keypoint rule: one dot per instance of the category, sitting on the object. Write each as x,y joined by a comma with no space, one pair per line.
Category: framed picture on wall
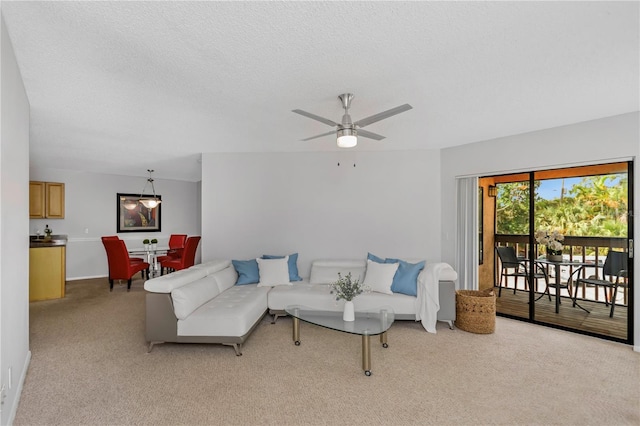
132,216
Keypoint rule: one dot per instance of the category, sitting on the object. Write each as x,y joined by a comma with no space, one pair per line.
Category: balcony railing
580,249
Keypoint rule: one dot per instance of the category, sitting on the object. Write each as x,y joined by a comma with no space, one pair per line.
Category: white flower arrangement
346,288
551,239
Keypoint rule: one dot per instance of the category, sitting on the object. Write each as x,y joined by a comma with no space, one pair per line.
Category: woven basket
476,311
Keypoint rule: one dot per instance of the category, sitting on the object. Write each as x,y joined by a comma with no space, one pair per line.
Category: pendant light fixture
148,202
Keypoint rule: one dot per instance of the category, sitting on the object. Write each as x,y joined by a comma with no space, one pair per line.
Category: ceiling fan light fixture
347,138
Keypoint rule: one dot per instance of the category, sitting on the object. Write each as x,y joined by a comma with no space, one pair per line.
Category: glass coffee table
368,323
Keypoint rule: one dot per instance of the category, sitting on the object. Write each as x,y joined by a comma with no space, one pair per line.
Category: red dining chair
115,237
176,245
132,259
186,260
120,265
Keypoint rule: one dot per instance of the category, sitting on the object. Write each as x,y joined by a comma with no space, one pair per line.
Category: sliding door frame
532,254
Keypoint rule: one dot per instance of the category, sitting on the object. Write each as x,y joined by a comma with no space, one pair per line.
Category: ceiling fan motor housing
347,132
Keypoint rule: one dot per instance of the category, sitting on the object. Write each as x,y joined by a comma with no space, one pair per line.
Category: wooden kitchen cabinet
47,273
54,192
46,200
36,200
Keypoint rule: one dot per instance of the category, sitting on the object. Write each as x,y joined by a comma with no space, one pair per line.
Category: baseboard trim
23,377
85,278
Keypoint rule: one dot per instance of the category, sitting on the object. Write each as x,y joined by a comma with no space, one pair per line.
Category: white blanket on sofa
428,303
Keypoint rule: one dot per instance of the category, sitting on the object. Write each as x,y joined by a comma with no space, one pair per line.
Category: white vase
349,312
555,257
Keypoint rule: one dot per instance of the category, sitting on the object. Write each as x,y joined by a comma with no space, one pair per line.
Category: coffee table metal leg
296,331
366,354
383,340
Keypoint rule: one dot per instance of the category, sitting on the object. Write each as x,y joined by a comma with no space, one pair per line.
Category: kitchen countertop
56,241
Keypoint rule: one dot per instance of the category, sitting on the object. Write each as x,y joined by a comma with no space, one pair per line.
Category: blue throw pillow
248,272
293,265
405,280
374,258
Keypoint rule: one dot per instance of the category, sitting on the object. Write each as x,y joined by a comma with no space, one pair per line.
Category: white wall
281,203
14,225
597,141
90,204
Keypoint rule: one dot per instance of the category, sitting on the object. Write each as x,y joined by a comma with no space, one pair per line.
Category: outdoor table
557,283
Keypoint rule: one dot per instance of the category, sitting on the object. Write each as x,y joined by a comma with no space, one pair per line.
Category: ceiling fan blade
370,135
333,132
382,115
315,117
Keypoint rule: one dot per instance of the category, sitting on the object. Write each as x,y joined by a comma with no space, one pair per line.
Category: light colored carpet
90,367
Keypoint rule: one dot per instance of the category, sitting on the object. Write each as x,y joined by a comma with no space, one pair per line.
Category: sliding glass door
569,232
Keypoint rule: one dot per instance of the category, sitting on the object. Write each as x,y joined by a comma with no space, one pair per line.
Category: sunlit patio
597,320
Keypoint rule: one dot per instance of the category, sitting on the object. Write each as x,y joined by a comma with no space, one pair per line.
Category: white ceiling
119,87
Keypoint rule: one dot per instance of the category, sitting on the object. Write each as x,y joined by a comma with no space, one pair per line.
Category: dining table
576,268
151,256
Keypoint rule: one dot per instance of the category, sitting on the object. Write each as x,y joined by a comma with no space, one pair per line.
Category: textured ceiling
119,87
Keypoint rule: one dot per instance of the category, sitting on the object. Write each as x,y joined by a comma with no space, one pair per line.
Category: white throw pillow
273,272
380,276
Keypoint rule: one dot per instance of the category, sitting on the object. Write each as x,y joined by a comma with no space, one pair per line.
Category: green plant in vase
347,288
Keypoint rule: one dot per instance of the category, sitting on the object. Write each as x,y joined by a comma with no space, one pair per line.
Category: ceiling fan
348,131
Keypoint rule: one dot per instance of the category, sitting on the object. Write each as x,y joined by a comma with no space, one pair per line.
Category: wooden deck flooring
597,321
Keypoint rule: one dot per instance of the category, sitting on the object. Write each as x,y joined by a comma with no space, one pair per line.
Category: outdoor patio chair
513,266
615,268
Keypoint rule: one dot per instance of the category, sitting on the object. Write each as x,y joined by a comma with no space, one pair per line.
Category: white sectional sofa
203,304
